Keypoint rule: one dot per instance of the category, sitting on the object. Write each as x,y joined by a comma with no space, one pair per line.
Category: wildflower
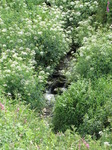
88,57
39,33
91,68
4,30
18,109
78,13
21,33
108,6
100,133
41,53
40,77
9,94
48,67
106,144
24,53
72,3
2,106
42,72
87,145
4,45
71,19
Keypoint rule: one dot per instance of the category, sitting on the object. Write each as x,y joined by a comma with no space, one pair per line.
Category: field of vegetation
35,35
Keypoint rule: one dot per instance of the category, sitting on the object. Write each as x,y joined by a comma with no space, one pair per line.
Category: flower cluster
32,41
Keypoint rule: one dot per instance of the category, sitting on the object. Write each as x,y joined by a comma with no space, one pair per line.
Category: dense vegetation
35,36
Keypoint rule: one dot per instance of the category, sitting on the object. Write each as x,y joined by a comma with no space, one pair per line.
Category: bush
19,80
32,43
102,14
73,13
94,57
38,30
84,106
20,128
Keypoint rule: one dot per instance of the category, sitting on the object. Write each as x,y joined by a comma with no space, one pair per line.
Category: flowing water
57,84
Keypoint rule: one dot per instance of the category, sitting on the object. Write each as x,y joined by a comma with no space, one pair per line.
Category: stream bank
57,83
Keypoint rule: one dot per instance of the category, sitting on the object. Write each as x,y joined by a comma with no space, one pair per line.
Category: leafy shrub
99,114
73,13
21,81
102,14
94,57
38,30
20,128
83,30
84,106
32,43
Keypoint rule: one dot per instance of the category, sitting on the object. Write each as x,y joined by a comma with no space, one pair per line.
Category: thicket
32,43
34,38
21,128
86,103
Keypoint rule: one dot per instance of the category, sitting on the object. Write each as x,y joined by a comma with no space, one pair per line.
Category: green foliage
102,15
94,57
20,128
20,81
32,43
34,37
84,105
39,30
75,12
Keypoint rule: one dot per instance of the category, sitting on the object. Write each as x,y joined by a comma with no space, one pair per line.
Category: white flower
40,77
100,133
22,81
4,45
72,3
18,68
27,49
61,7
71,19
48,67
13,65
81,54
24,53
78,13
88,57
39,33
42,72
21,33
41,53
4,30
106,144
95,2
35,38
92,68
15,62
15,55
81,6
21,48
9,94
8,37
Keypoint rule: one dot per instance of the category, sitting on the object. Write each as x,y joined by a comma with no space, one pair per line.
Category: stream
57,84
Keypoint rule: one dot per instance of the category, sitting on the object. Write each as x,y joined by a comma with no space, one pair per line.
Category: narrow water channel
57,83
